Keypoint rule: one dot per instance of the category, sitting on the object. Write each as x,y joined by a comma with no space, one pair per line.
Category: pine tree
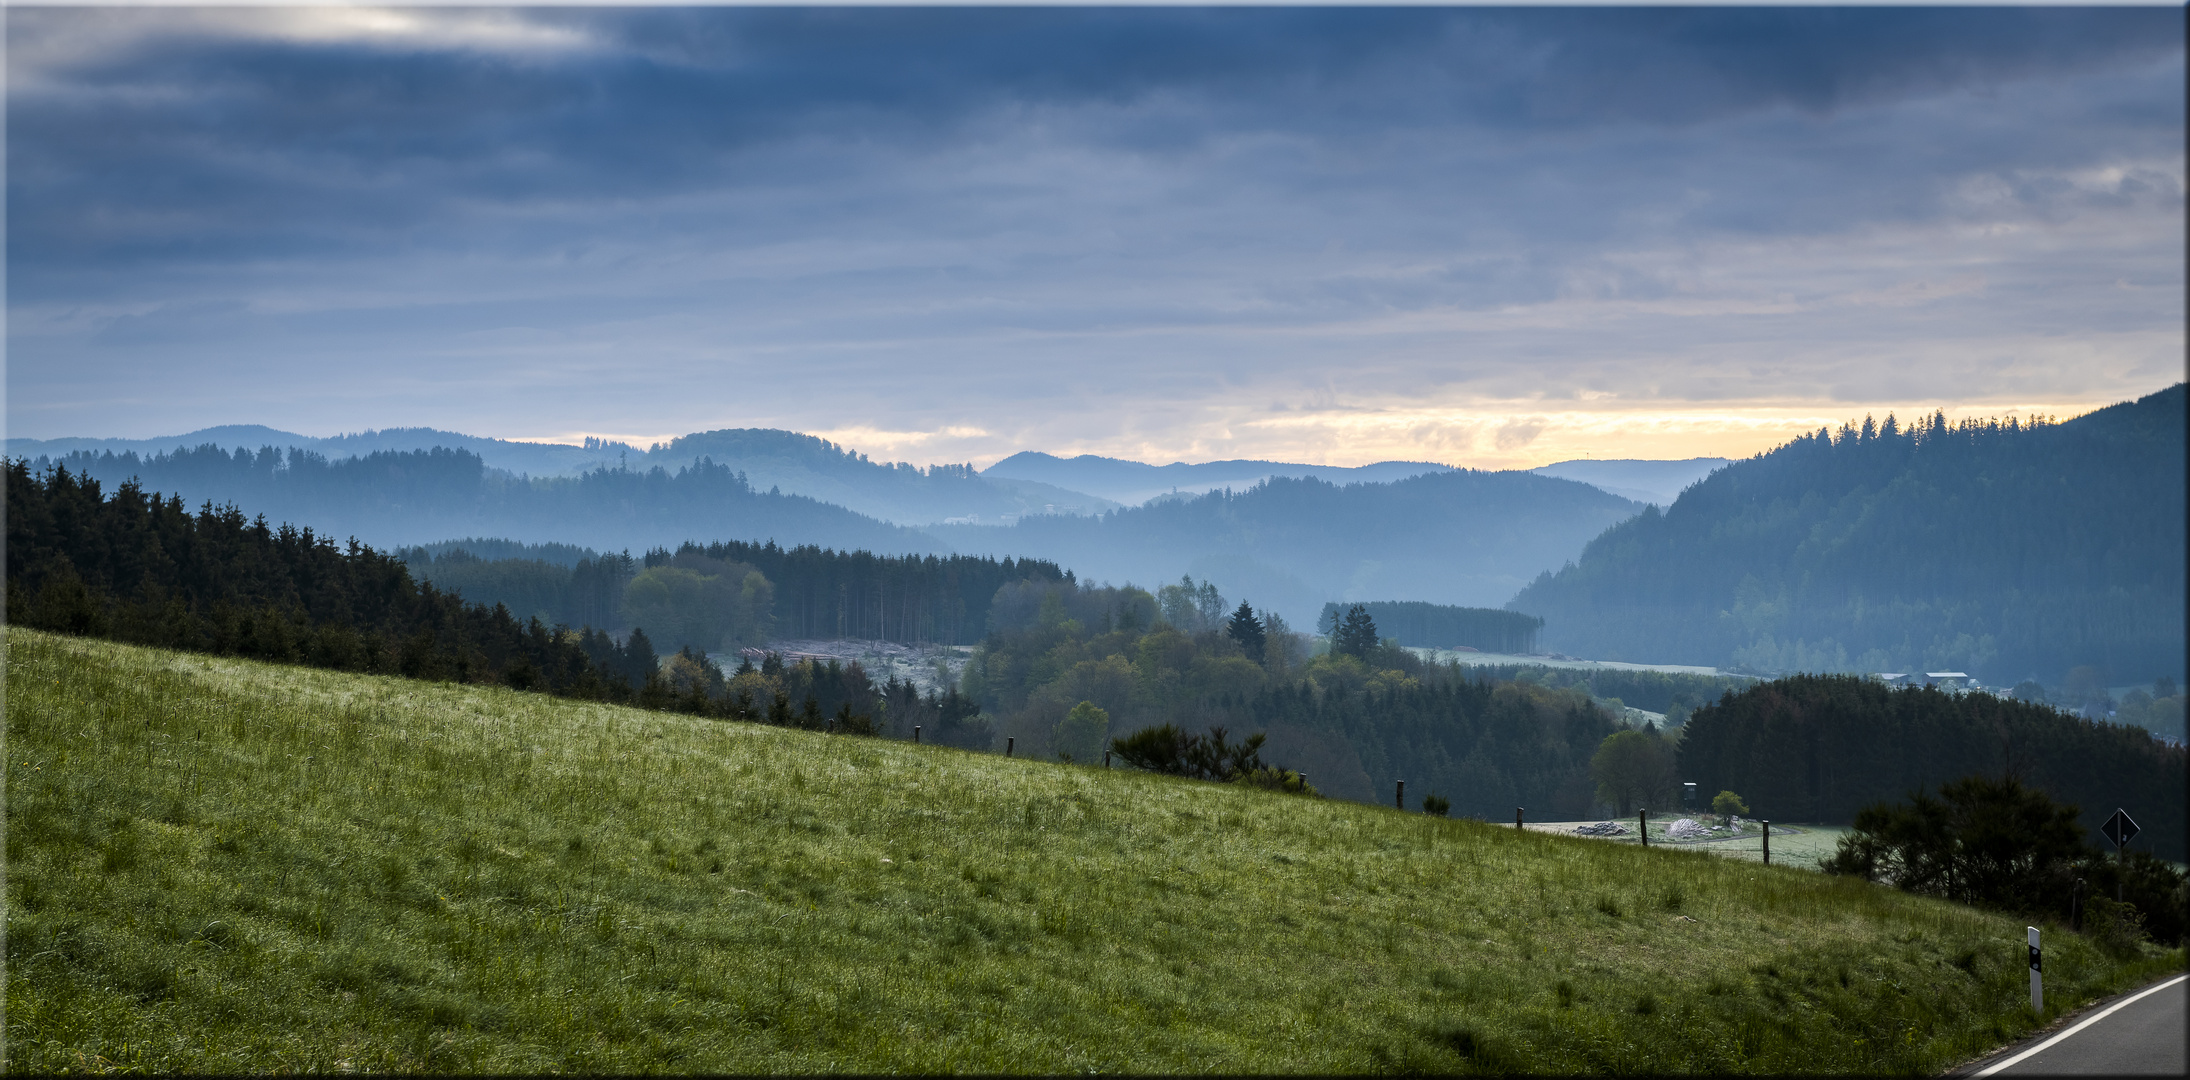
1356,636
1248,630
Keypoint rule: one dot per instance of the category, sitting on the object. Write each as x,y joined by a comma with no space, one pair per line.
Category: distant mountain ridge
529,458
401,498
1658,482
770,459
1135,482
1291,544
1026,483
2004,550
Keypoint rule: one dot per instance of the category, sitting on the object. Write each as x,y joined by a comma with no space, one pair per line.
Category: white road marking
2087,1022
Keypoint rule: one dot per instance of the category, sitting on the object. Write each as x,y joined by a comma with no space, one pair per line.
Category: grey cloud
957,209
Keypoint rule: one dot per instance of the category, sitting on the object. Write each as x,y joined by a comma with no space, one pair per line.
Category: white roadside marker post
2037,975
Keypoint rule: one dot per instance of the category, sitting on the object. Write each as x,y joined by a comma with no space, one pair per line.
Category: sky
1486,237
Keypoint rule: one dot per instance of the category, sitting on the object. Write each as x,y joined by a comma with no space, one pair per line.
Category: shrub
1726,804
1274,779
2117,928
1436,805
1166,749
1999,844
2159,892
1982,841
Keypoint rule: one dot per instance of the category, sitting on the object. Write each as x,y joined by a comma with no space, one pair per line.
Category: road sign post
2119,829
2037,974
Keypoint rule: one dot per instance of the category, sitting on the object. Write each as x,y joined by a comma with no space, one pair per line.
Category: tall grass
219,865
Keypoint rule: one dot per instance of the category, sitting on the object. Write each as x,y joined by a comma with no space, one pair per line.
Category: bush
2159,892
1726,804
1998,844
2116,928
1436,805
1982,841
1166,749
1271,779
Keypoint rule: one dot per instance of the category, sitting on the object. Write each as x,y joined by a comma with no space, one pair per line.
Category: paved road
2140,1037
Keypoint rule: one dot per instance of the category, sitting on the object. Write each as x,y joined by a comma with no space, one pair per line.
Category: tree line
1445,626
821,593
707,597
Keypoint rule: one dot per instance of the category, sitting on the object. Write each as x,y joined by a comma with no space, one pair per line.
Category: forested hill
2005,550
1457,537
893,491
396,498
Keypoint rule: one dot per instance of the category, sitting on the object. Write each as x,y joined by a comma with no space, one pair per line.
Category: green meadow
226,866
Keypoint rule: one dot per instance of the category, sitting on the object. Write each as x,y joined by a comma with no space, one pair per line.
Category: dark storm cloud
198,147
534,198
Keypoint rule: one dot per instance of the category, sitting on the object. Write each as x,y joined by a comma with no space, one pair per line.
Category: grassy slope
217,865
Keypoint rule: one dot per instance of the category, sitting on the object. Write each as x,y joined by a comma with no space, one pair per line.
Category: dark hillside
2008,551
142,568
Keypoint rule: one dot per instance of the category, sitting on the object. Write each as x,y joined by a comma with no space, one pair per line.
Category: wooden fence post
1399,795
1642,825
916,734
1767,842
1517,816
1008,741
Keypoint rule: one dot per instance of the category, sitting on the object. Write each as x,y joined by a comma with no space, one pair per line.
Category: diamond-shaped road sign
2119,828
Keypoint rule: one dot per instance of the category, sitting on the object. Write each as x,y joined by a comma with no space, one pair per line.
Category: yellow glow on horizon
1488,435
1523,438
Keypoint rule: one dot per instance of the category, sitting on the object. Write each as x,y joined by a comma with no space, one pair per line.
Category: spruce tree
1248,630
1356,636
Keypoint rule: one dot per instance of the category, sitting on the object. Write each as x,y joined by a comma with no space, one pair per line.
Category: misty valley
1871,552
1808,634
